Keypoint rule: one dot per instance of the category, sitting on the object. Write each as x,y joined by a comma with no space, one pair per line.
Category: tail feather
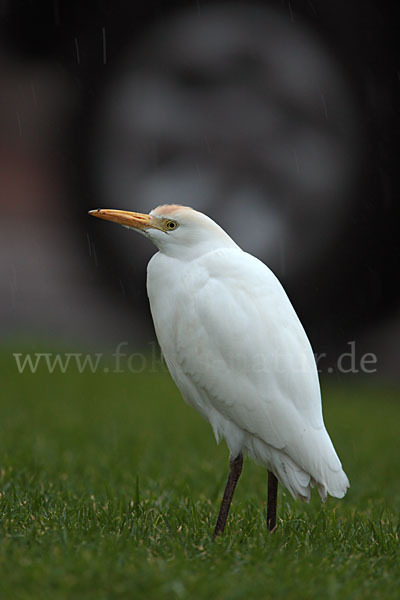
328,476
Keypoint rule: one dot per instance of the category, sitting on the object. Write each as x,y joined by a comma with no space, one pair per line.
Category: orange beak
124,217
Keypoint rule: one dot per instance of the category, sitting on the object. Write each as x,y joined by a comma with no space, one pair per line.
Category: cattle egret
237,352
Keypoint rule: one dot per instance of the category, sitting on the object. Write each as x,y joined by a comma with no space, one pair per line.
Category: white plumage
236,348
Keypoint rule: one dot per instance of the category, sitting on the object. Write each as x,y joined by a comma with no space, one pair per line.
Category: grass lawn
110,486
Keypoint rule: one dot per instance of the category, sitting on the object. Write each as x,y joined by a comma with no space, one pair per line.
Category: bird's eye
170,225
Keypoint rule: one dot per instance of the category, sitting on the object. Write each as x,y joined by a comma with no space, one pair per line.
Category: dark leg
272,499
234,474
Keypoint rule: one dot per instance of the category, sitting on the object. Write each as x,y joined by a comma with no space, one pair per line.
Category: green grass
110,485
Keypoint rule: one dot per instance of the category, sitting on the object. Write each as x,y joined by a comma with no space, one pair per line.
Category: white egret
237,352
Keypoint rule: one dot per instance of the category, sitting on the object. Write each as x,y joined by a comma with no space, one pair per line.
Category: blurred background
278,119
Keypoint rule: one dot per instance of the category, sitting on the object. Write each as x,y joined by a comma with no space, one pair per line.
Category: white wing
236,348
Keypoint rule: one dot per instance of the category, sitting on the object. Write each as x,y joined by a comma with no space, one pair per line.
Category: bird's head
176,230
